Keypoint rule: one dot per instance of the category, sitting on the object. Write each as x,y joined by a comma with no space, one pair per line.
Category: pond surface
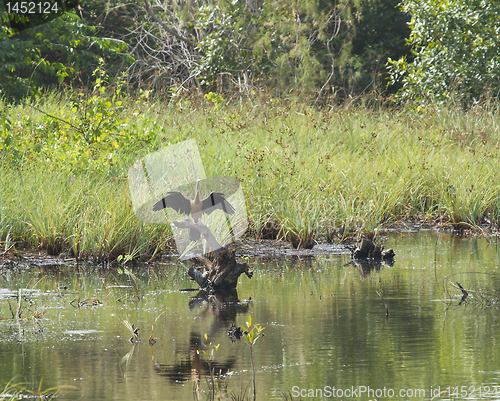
328,333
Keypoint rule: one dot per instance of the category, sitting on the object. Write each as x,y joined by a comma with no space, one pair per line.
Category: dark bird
195,207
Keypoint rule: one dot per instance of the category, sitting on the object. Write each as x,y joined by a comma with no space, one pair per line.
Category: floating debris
86,303
235,332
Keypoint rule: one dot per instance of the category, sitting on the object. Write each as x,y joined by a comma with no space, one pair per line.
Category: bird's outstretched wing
174,200
214,201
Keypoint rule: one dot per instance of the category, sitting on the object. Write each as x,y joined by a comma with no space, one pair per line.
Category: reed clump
316,174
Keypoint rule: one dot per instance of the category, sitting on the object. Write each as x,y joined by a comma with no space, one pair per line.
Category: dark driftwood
369,256
223,272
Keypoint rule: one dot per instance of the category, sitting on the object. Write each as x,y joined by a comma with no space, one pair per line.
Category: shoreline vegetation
308,173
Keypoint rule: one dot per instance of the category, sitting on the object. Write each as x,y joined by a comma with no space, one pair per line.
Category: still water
328,333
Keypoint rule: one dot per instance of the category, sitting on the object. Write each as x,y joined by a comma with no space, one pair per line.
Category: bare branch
149,9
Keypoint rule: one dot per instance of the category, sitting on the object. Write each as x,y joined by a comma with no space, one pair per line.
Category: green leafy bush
46,55
226,44
91,131
455,47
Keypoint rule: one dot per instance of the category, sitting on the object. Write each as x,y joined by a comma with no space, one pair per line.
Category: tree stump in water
368,249
369,255
223,272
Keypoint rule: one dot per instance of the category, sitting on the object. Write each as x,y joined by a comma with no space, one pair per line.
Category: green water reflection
325,327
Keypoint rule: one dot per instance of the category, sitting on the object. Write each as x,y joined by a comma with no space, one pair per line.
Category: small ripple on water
81,332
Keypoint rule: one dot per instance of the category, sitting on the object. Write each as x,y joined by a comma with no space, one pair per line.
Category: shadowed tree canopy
48,49
316,48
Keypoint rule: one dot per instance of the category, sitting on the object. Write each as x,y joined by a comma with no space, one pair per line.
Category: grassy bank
307,174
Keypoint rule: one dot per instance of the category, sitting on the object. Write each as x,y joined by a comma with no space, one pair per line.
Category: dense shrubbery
312,48
308,47
86,131
49,54
455,48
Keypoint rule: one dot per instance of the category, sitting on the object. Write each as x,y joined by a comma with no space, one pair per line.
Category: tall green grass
86,217
316,174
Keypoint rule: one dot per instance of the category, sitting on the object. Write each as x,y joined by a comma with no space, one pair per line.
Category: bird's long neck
196,203
197,193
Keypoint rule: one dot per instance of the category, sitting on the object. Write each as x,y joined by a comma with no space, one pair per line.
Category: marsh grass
313,174
86,217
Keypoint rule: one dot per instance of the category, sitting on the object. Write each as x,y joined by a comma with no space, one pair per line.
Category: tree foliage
309,46
379,32
45,55
455,48
312,47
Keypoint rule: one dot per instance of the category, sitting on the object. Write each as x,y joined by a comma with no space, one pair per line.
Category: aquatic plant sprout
176,169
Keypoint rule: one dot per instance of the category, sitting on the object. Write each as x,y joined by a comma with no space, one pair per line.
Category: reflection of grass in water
152,337
475,288
25,307
133,331
82,291
288,396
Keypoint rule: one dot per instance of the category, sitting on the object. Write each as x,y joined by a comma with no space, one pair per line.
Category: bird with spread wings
196,207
